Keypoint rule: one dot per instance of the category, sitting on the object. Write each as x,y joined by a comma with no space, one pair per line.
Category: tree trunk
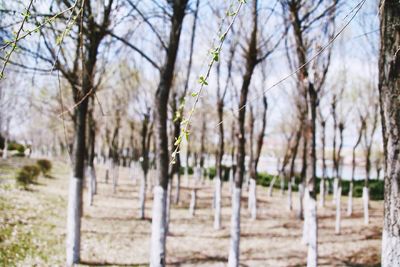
5,150
217,211
233,260
389,87
322,182
365,198
178,187
142,197
253,197
158,230
75,187
271,186
290,202
251,62
338,214
350,200
192,206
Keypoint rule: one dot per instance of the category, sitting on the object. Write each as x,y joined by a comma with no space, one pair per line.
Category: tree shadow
352,264
117,218
106,263
198,258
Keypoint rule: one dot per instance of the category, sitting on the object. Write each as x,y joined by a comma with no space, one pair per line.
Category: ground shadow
105,263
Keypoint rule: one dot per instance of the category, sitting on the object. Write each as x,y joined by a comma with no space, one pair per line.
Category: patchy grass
31,222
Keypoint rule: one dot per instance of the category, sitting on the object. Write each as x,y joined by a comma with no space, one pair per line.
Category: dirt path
112,235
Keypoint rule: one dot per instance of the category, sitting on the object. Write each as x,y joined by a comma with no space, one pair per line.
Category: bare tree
368,138
304,15
361,130
158,233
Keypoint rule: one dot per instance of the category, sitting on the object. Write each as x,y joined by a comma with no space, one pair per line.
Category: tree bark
389,87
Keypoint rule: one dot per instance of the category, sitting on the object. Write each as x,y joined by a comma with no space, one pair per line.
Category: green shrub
182,170
15,146
44,165
210,172
27,175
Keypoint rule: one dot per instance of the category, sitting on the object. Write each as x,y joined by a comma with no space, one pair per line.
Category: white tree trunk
290,203
246,180
217,211
322,193
271,186
301,197
338,209
158,227
5,150
311,230
92,184
234,251
94,181
192,207
108,167
335,187
253,197
365,198
74,221
390,249
350,201
142,197
304,196
178,188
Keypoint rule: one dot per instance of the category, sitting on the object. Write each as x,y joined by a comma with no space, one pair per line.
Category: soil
112,234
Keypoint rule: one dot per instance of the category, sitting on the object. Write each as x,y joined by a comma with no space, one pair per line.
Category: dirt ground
112,234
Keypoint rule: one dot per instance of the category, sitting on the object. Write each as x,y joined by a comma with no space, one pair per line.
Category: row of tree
115,108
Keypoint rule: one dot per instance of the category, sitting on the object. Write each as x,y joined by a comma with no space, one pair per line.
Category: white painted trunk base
365,198
108,167
301,197
350,200
310,234
178,189
192,206
217,210
271,186
335,187
5,150
142,197
234,250
290,202
338,209
92,184
253,199
390,249
158,228
115,171
74,221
